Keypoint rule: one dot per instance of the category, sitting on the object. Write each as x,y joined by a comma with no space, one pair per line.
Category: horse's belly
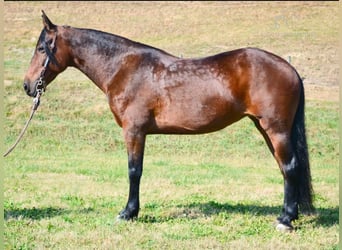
193,116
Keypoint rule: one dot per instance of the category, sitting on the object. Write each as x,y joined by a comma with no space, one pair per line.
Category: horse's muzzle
28,90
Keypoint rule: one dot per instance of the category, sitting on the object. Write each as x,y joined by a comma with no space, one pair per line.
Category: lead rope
36,102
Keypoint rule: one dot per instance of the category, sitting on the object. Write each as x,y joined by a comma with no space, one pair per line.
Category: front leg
135,142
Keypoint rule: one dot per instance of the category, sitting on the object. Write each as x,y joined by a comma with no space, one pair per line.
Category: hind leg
279,142
289,169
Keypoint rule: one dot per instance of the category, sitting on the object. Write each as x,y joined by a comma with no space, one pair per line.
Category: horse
150,91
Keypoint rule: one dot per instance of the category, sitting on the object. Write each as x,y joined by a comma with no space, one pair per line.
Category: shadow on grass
325,217
39,213
212,208
207,209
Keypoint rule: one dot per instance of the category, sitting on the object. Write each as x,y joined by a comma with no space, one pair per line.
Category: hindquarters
276,105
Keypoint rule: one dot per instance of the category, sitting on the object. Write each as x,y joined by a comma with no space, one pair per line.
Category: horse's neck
97,54
101,56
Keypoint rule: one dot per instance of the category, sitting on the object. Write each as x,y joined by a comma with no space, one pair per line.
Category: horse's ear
47,23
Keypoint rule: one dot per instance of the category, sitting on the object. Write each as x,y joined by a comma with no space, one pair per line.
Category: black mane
108,43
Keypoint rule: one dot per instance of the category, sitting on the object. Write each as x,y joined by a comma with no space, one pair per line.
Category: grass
67,180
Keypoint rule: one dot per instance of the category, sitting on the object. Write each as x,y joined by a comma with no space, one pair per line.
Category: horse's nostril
26,88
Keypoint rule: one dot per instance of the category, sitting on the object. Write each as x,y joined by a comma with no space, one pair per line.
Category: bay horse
150,91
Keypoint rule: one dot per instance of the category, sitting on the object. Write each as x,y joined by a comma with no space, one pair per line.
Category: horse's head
48,59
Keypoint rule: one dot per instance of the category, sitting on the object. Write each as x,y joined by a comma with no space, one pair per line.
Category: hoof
124,216
283,228
121,220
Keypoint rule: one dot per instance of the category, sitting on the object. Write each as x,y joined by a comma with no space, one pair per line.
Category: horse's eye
41,49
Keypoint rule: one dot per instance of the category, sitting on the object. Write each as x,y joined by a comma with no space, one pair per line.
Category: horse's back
208,94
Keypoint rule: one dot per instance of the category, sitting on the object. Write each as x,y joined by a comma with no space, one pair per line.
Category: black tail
298,138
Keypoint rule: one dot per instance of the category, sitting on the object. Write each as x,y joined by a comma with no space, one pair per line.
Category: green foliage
197,192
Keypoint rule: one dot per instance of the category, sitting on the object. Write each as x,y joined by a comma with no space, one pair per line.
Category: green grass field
67,180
